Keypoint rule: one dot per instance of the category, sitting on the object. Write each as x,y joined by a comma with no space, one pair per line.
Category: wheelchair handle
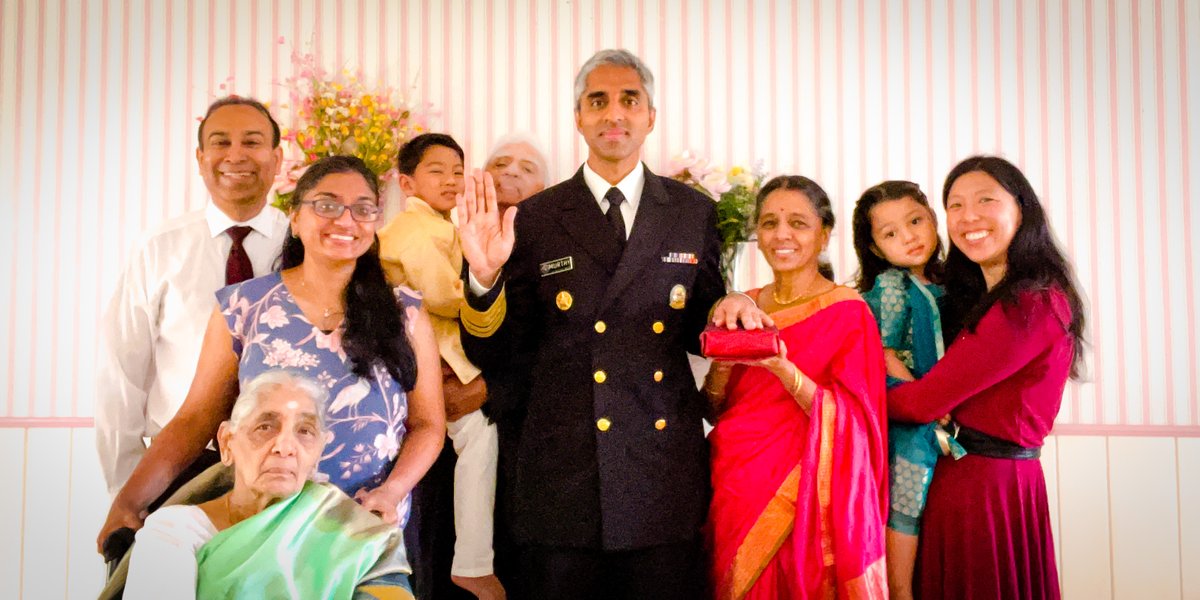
117,544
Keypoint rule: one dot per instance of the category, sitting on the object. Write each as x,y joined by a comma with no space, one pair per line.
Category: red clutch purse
719,343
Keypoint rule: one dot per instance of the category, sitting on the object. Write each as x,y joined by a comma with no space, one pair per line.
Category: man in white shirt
153,328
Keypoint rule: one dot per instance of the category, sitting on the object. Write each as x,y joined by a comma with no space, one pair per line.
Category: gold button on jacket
658,375
660,424
600,376
603,424
600,326
657,327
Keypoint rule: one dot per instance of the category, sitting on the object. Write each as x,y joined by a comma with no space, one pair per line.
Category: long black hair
1035,262
374,322
870,264
815,194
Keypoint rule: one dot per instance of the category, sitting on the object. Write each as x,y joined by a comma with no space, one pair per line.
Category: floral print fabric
365,415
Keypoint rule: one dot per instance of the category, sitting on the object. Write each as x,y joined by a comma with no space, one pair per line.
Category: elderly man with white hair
518,166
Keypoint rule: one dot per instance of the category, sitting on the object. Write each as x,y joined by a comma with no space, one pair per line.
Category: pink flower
275,317
386,445
715,183
328,341
282,354
682,163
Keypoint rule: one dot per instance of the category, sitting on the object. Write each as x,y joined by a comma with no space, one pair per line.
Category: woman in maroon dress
1012,297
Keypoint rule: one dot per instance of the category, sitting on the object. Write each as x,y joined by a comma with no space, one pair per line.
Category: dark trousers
667,572
508,568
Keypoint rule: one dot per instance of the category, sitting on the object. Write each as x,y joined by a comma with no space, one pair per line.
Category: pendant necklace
327,311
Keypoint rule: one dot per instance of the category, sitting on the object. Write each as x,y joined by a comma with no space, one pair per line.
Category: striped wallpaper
99,101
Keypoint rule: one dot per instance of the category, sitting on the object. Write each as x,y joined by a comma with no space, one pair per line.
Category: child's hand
896,367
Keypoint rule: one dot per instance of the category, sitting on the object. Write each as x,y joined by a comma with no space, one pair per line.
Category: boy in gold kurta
420,248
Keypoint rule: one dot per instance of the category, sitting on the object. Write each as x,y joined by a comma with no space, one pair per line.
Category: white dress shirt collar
631,186
266,222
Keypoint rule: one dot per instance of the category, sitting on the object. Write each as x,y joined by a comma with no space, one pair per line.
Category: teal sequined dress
909,319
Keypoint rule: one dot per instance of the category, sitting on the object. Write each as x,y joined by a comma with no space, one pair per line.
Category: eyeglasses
363,212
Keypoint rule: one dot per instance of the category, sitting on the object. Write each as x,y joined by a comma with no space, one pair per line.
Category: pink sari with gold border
799,501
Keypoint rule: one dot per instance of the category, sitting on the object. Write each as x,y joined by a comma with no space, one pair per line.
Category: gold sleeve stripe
482,324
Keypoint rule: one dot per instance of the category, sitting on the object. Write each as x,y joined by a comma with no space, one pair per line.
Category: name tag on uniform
558,265
680,258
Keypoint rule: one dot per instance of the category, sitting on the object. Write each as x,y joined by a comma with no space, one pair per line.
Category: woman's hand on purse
775,364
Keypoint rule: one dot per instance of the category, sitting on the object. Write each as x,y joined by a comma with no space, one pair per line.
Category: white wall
1094,99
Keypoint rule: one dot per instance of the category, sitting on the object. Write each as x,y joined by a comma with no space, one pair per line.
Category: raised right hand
486,233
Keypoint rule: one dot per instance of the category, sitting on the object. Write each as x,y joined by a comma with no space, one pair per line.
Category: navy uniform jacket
611,453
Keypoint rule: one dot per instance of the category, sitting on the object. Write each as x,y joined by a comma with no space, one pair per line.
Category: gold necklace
801,297
327,311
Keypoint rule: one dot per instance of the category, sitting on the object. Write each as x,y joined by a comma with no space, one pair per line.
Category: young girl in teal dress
896,239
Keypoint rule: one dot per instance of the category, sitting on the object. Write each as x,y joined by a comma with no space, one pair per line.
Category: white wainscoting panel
1144,494
12,501
1085,567
1188,476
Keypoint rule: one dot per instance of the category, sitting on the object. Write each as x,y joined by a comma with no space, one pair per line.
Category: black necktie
615,198
237,266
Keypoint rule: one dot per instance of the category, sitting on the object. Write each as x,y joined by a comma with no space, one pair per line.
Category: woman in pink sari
799,450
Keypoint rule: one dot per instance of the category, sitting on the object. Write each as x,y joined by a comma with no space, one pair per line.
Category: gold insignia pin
564,300
678,297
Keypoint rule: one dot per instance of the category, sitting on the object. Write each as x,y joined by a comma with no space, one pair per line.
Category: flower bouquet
734,191
340,114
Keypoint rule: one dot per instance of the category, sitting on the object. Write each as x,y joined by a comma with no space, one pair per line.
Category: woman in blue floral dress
330,315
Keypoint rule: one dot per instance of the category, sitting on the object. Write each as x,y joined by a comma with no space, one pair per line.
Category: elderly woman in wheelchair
257,525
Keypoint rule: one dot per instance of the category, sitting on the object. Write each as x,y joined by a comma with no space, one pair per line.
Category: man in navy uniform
591,293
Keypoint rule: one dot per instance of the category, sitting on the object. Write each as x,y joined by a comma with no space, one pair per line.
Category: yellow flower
734,172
